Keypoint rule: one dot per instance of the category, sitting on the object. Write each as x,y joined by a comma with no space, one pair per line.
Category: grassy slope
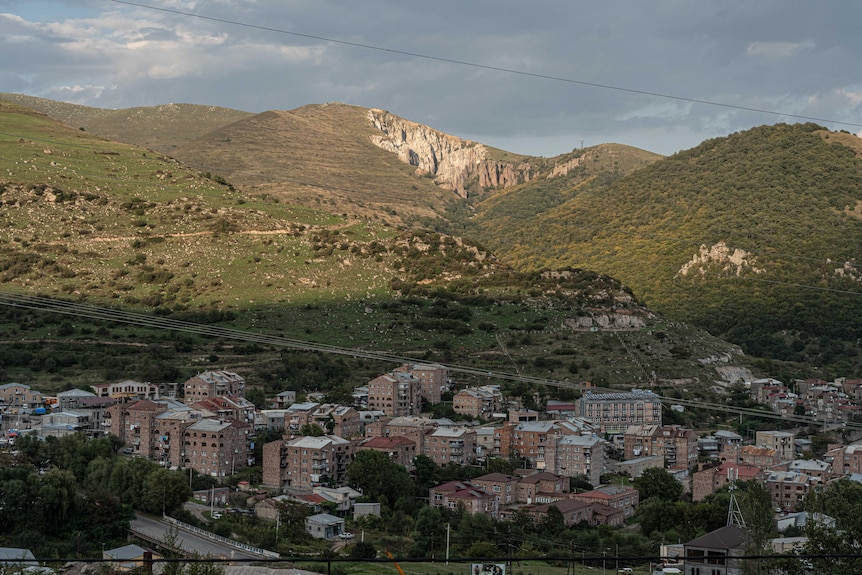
160,128
788,195
81,214
319,156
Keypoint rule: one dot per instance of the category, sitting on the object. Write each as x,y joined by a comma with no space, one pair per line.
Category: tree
378,477
658,483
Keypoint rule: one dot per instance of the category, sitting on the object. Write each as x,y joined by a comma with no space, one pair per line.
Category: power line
41,304
483,66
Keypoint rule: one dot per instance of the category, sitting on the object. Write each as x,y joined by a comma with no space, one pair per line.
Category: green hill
754,237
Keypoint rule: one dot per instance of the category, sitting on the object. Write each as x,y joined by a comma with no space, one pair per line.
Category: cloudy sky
539,77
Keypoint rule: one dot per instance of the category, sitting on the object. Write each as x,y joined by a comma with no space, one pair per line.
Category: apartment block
433,379
218,448
213,384
451,445
479,402
395,394
305,462
614,412
581,456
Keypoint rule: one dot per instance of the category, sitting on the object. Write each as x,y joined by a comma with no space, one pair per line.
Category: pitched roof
728,537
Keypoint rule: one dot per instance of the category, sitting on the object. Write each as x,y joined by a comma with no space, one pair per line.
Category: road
155,531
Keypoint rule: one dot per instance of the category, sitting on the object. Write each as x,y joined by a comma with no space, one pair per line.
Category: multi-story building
581,456
762,457
479,402
399,449
299,415
451,445
534,443
614,412
464,495
617,497
708,481
433,380
780,441
411,427
787,489
542,487
226,407
339,420
133,423
305,462
396,393
504,487
127,390
677,445
218,448
19,396
846,460
214,384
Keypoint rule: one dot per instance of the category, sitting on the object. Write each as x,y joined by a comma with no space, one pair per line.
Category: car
346,535
216,515
625,570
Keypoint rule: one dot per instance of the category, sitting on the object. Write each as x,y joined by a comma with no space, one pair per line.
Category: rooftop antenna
734,514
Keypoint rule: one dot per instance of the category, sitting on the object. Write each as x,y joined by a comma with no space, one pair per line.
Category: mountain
89,220
754,237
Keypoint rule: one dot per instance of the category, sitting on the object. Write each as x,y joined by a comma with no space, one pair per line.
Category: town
562,455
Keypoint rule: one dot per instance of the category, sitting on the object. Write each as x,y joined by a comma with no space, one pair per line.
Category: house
716,553
396,393
433,380
574,511
464,495
282,400
20,396
618,497
780,441
14,557
542,487
130,557
324,526
127,390
787,489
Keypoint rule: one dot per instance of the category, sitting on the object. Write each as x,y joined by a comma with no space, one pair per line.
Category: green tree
658,483
378,477
164,491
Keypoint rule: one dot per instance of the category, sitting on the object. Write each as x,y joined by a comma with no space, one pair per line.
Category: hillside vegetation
754,237
88,220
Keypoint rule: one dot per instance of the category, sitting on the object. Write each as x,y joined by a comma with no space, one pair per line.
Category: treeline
73,496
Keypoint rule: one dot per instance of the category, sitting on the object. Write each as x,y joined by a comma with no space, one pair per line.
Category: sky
541,78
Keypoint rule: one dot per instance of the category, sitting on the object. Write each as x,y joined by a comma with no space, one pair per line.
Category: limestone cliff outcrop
453,162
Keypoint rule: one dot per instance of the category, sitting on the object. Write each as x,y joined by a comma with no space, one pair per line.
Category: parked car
346,535
216,515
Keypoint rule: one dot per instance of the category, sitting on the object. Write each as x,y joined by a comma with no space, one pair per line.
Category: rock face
452,162
719,257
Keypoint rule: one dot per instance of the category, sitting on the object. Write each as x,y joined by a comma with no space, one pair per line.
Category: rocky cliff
451,161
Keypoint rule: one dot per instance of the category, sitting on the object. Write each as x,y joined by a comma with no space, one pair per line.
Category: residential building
787,489
814,468
574,511
339,420
451,445
614,412
324,526
412,427
542,487
846,460
226,407
617,497
218,448
478,402
580,456
129,558
504,487
780,441
20,396
716,553
433,380
711,479
127,390
464,495
305,462
282,400
71,399
677,445
299,415
399,449
762,457
396,393
214,383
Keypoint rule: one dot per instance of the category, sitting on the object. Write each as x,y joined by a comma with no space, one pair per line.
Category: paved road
154,530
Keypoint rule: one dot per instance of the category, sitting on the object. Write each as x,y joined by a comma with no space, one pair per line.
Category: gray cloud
789,56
